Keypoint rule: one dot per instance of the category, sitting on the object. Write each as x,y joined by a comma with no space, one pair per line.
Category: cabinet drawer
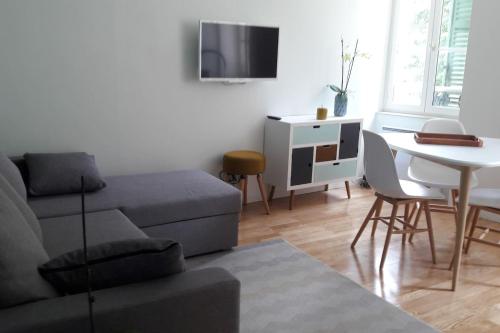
315,134
333,171
326,153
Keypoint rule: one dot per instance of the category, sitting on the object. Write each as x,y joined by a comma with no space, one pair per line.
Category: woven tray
448,139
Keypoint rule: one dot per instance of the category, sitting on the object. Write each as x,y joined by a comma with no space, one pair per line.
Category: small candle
321,113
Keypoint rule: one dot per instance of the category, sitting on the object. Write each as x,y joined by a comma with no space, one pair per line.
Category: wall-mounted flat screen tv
237,52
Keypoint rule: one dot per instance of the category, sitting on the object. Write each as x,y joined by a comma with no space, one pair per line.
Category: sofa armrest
204,300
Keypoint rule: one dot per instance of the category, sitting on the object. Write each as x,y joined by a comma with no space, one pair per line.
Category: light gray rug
285,290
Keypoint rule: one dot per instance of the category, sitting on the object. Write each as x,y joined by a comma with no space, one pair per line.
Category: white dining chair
432,174
380,171
402,161
437,176
482,199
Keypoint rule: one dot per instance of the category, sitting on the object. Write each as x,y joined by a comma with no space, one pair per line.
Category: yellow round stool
246,163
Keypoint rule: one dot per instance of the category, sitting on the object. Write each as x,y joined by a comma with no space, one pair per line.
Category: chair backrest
447,126
402,161
380,169
430,173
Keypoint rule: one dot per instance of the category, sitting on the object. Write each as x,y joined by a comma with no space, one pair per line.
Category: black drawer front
349,140
302,160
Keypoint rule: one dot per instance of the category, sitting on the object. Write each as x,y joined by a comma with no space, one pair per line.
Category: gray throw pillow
51,174
113,264
23,207
20,255
10,171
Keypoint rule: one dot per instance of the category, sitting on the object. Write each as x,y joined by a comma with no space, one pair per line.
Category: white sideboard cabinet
303,152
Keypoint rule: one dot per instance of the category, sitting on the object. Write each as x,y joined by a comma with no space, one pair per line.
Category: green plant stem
342,84
351,64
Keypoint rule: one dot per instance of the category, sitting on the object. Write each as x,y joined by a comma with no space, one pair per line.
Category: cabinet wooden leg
348,189
290,201
271,193
326,187
262,189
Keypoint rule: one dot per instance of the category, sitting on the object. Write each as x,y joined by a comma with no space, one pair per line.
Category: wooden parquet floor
323,224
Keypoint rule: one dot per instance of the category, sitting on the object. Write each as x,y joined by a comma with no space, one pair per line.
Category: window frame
426,106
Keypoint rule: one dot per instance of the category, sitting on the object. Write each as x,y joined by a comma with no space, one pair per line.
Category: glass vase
340,105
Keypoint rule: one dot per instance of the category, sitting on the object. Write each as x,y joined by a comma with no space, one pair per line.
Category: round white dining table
463,159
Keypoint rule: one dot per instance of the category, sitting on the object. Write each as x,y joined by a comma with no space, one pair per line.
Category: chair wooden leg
262,189
365,222
377,214
406,219
271,193
454,196
412,212
348,189
290,200
389,235
475,218
430,231
243,188
417,218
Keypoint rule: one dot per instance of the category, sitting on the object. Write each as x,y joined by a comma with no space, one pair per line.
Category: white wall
119,78
480,103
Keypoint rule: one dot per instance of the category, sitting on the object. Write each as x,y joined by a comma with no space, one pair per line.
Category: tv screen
238,52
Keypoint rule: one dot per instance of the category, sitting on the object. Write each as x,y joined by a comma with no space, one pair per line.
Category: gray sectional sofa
192,207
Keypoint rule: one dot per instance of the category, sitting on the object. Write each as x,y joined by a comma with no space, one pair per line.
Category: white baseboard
254,194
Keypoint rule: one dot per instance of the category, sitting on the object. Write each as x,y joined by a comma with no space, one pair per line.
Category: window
427,55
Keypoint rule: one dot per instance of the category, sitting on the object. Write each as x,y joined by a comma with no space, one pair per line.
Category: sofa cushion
64,234
23,207
52,174
20,255
114,264
151,199
10,171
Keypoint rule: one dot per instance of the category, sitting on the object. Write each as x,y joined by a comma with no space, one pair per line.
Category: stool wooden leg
271,193
243,188
262,189
430,231
376,205
348,189
389,235
290,200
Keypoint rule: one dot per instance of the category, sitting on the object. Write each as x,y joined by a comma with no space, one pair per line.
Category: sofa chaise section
192,207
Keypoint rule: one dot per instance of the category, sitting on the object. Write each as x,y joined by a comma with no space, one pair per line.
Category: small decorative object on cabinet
321,113
303,152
